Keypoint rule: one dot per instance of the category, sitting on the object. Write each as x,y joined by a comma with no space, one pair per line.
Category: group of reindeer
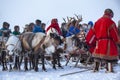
32,47
29,47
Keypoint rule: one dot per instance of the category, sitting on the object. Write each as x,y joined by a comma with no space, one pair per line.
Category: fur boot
96,67
109,68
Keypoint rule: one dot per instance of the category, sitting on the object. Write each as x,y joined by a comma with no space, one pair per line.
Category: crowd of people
102,36
66,29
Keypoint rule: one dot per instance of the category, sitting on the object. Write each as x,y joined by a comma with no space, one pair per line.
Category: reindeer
54,49
11,53
75,44
37,44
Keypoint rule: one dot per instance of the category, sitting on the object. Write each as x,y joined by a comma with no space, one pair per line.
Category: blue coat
37,29
72,30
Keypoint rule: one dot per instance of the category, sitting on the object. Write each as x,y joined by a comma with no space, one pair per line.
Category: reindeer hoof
15,68
61,67
36,69
3,69
10,70
26,69
54,67
95,71
44,69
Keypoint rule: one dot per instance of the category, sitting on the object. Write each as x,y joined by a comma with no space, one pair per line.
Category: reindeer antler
78,16
67,18
64,20
79,19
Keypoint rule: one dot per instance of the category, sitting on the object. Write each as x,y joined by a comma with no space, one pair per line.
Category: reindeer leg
5,63
26,63
3,60
43,62
54,61
58,59
10,63
21,58
15,65
10,69
36,62
3,66
18,62
30,60
0,60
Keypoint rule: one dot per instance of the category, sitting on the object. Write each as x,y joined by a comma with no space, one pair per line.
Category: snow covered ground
52,74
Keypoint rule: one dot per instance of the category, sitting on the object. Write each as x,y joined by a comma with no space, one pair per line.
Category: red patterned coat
105,36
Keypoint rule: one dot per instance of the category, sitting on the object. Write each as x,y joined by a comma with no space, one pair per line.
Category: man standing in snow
106,35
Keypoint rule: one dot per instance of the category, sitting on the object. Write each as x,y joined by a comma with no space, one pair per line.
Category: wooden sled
79,55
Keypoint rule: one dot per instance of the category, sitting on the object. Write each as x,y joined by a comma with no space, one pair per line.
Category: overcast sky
21,12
